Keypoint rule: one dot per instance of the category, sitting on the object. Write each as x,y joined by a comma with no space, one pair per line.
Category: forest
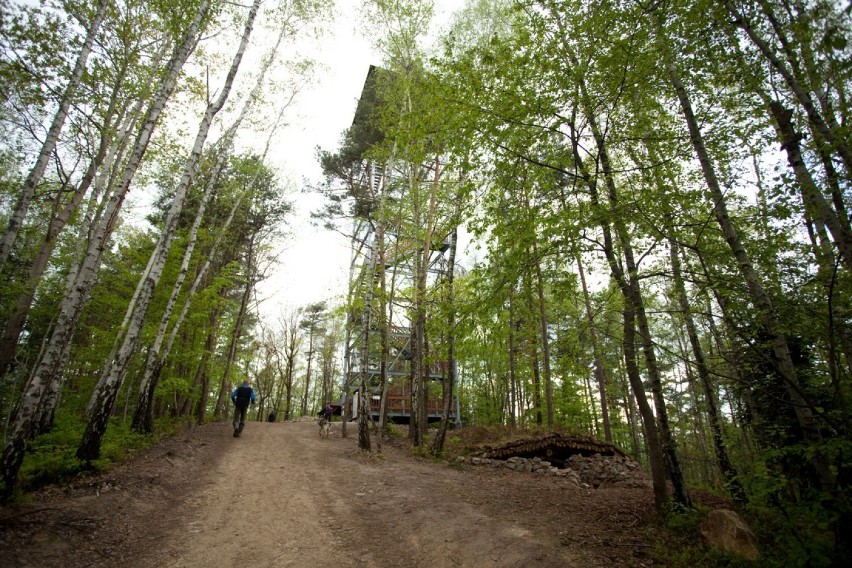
625,220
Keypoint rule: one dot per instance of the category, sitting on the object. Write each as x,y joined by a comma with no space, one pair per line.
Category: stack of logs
595,471
556,446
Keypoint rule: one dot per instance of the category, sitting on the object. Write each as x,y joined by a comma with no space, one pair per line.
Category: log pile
585,462
554,447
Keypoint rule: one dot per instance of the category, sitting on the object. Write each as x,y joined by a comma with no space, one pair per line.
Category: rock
594,471
725,530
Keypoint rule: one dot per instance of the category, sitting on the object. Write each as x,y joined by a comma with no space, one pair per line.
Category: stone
725,530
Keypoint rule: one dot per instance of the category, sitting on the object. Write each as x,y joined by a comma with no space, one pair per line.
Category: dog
324,428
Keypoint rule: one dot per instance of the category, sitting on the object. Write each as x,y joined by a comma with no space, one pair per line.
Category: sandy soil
280,496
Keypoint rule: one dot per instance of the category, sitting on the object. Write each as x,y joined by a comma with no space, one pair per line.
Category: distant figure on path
271,417
327,412
242,396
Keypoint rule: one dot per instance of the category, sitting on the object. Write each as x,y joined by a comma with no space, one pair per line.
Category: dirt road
279,496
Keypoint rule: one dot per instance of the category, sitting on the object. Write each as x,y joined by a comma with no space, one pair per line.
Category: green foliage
797,526
51,458
422,451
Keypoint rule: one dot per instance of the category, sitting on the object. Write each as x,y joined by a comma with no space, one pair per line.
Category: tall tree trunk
143,418
629,407
60,342
732,482
450,374
545,340
600,368
534,362
203,373
834,139
649,423
16,219
595,428
366,322
115,369
385,322
308,372
782,359
513,365
421,369
236,334
815,204
656,449
155,360
633,289
14,325
661,448
288,409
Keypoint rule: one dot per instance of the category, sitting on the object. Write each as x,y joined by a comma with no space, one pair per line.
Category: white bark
106,391
16,220
156,354
51,364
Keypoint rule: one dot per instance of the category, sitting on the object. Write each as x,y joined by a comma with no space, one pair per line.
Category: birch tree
56,352
112,376
16,220
143,419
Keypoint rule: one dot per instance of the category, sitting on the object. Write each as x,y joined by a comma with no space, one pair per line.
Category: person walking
242,396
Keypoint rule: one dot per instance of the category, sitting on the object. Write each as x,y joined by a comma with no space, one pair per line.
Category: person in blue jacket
242,396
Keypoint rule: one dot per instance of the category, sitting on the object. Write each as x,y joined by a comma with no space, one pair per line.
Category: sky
314,261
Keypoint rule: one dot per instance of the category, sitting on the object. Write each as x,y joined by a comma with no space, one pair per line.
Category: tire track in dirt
279,496
255,508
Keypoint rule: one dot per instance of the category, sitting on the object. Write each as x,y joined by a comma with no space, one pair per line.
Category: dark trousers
240,416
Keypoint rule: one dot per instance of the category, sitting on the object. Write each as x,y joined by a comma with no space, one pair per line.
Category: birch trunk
366,323
420,369
14,325
156,358
112,145
16,220
225,384
115,369
381,244
60,341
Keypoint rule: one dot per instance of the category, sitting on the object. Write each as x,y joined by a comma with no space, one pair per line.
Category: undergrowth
51,457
